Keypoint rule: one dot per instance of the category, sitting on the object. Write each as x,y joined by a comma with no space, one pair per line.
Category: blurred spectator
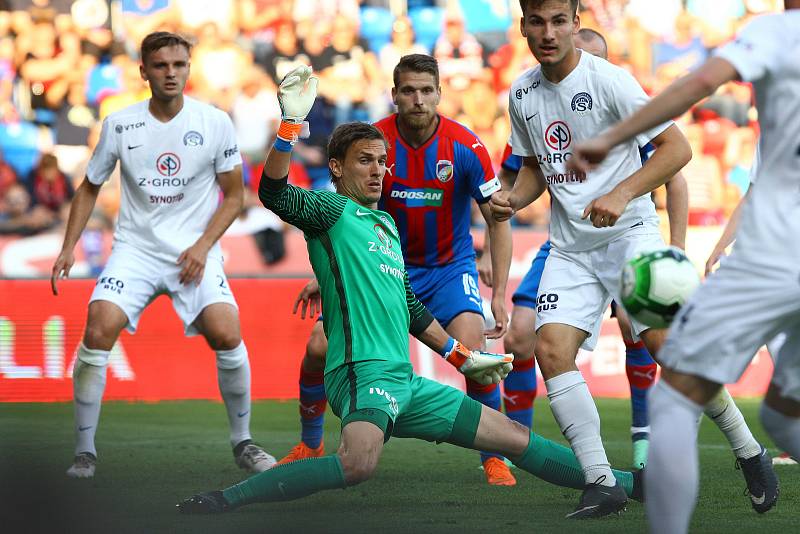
258,22
195,15
140,17
75,117
510,60
353,80
325,11
458,52
256,114
7,76
17,216
740,149
402,44
704,180
49,187
218,64
681,52
49,59
109,197
133,88
7,178
285,53
718,18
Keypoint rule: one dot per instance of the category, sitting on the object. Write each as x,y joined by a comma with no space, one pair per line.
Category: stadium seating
427,23
376,26
20,142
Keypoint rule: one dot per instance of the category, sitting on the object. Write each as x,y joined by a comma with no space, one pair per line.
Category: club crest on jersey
444,170
193,138
168,164
383,236
582,103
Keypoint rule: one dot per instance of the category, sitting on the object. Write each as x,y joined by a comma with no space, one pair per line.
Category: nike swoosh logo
640,223
532,116
82,428
758,500
362,213
242,414
132,147
585,508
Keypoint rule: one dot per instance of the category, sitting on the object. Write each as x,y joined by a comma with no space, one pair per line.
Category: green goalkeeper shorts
416,407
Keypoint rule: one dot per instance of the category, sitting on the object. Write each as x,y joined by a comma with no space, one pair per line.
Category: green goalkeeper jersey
368,305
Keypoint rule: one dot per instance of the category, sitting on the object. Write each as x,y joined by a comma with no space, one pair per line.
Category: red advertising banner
39,334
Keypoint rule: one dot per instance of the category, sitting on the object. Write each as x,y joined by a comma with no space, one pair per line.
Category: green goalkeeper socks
558,465
288,481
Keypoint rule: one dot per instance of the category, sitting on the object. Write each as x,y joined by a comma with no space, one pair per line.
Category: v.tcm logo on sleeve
168,164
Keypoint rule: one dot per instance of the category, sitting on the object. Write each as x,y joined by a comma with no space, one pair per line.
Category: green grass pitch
152,455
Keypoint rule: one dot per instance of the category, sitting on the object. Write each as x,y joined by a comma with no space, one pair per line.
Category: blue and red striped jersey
428,190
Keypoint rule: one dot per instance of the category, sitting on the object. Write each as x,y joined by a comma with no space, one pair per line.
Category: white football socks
88,384
784,430
671,477
234,385
726,415
576,414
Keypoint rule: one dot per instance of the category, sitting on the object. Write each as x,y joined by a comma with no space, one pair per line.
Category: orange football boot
301,451
497,472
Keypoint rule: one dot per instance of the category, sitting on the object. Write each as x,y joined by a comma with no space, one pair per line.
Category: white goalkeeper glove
296,94
483,367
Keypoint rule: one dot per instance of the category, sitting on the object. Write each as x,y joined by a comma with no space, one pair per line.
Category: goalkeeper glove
483,367
296,95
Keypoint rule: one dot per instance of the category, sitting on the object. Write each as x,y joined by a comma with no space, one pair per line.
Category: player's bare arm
193,259
499,234
728,235
310,299
676,100
81,208
529,186
677,210
484,263
672,153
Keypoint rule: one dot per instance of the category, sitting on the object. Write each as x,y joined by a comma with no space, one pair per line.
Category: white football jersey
548,119
169,173
766,53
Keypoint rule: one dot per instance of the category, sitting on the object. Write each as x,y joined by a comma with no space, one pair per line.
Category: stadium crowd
64,66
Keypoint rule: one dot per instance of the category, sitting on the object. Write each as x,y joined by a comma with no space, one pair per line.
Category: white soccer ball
656,284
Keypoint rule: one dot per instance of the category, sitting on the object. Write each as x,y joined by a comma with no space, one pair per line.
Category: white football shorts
739,308
132,279
577,287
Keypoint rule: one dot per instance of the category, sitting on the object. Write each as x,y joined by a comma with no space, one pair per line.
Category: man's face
549,29
360,175
167,70
416,97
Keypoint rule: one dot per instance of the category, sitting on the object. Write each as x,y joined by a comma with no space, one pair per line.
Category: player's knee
232,358
224,340
520,344
316,349
99,336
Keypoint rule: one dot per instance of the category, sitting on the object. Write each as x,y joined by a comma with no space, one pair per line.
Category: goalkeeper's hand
296,94
483,367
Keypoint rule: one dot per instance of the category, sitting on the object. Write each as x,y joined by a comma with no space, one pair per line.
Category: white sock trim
233,358
96,357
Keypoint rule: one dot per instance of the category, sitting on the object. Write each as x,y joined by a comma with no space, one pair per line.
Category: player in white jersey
755,294
598,221
176,155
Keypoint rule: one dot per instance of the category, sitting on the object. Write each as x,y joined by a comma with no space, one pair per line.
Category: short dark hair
348,133
416,63
158,40
588,35
573,4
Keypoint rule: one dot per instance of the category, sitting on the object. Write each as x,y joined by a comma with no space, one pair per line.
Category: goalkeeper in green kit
369,311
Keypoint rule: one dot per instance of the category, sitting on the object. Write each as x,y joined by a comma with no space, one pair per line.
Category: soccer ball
656,284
